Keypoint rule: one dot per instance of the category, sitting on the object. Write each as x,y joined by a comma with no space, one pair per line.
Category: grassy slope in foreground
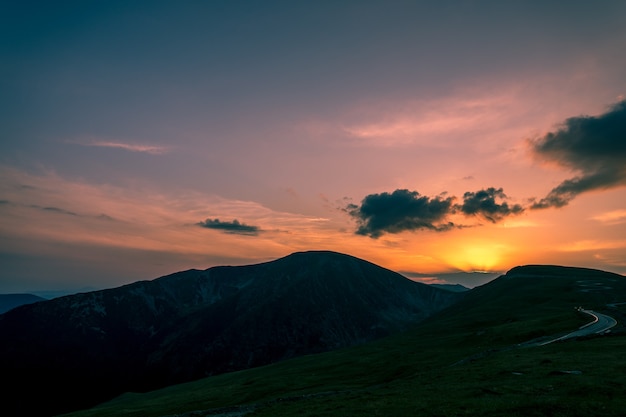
412,373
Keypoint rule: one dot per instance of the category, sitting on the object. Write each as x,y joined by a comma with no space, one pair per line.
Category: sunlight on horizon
477,257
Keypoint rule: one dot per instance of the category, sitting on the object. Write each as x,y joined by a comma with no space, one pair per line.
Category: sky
141,138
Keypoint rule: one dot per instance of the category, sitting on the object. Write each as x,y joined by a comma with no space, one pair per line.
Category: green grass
413,373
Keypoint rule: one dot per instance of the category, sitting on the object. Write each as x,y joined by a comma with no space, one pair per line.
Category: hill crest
195,323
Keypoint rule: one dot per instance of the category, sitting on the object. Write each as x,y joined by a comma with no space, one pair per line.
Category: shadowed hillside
465,360
194,323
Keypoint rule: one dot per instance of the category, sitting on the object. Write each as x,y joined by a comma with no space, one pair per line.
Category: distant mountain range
194,323
10,301
451,287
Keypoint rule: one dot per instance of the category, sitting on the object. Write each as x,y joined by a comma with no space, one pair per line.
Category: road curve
600,324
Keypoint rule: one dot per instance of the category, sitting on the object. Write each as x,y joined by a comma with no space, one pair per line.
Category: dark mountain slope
304,303
463,360
75,351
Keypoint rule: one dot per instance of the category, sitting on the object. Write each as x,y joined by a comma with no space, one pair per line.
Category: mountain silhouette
76,351
10,301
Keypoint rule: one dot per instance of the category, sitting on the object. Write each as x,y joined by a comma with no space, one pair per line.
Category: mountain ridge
468,359
10,301
194,323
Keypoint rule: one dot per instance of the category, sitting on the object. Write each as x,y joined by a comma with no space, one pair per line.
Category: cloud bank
405,210
233,227
593,146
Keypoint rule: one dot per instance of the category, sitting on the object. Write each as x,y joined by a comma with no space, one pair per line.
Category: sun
476,256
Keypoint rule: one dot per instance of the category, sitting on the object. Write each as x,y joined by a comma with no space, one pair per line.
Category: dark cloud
594,146
483,204
399,211
233,227
405,210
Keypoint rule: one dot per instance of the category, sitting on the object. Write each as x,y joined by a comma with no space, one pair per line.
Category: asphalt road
600,324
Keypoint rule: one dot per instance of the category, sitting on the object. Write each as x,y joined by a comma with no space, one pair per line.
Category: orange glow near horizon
95,221
475,257
237,149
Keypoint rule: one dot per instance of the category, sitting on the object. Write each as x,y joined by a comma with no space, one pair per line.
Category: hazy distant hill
10,301
196,323
451,287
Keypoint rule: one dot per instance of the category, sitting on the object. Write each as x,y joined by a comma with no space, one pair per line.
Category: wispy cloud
611,217
127,146
518,224
426,122
54,210
58,209
593,245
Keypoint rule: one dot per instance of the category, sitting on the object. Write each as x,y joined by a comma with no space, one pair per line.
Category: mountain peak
193,323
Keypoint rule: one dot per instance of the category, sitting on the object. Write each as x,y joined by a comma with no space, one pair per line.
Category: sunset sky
146,137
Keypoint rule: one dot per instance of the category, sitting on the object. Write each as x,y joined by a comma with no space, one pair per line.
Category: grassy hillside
462,362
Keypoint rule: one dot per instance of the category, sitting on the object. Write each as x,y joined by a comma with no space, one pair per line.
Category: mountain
191,324
469,279
451,287
469,359
10,301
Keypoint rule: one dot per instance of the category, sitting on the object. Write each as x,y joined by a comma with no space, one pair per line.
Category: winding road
600,324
